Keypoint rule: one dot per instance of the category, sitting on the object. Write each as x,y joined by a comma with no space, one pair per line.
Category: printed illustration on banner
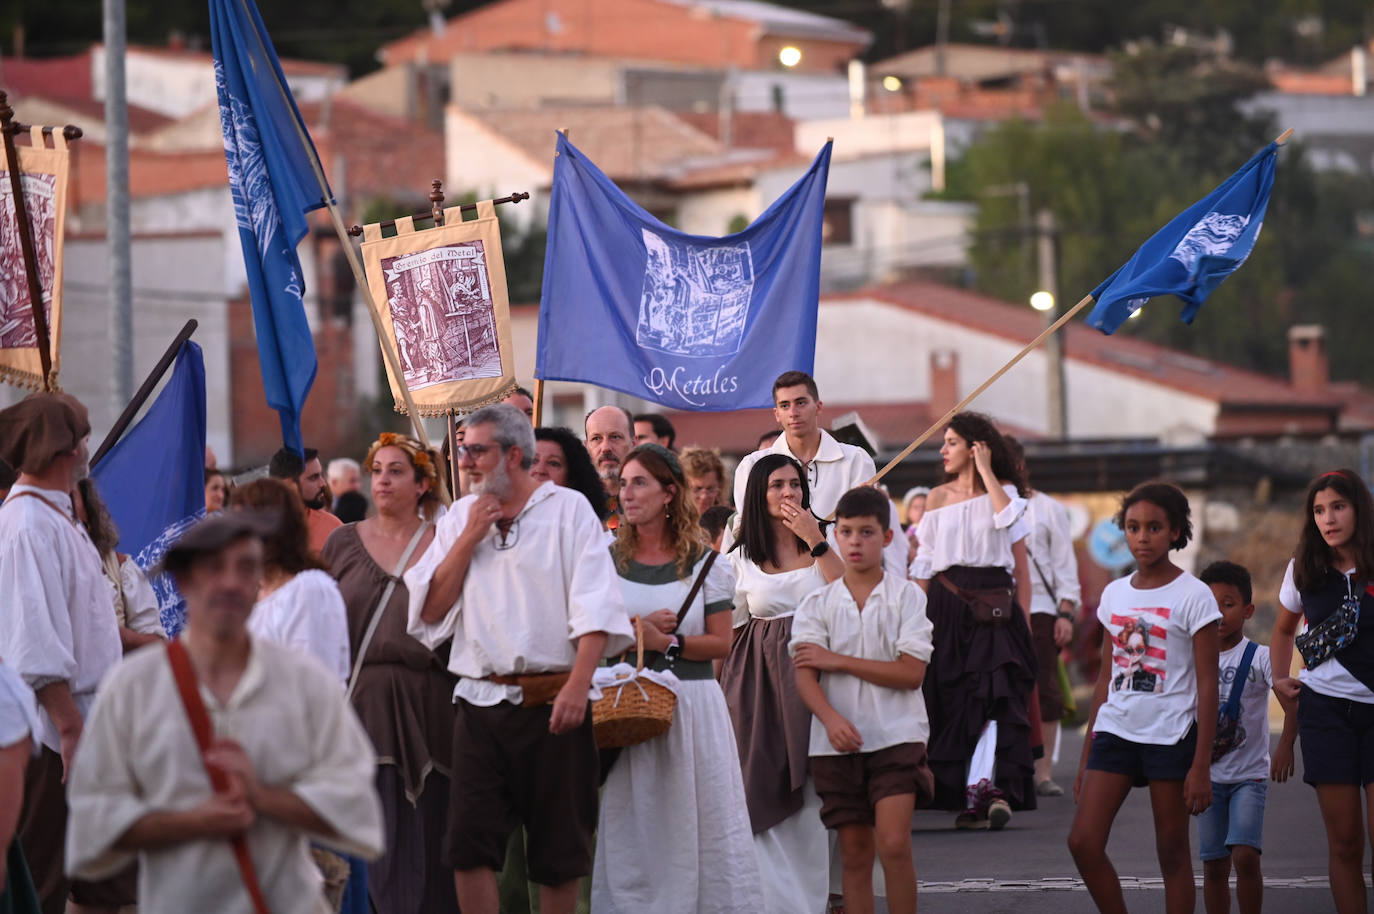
16,318
442,311
696,297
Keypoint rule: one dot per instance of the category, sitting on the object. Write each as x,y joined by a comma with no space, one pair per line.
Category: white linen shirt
139,600
307,614
56,620
1051,555
18,709
1152,690
524,606
1330,678
138,755
892,622
761,595
969,533
835,470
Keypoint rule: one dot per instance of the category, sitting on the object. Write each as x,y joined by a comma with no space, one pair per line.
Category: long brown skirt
772,726
978,672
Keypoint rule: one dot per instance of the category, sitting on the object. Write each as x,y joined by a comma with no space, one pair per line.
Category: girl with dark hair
971,562
673,834
1154,713
781,555
135,603
401,690
299,605
1328,584
563,460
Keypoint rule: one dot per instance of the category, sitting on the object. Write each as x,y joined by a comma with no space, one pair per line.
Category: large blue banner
686,321
273,183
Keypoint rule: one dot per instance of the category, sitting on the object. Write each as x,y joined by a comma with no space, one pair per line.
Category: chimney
944,380
1308,368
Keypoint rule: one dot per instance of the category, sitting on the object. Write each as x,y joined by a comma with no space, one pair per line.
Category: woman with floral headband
400,689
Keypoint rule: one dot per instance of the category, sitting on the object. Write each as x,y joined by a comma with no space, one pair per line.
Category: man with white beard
519,578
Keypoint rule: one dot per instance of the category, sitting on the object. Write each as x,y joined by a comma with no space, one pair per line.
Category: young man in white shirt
297,765
518,576
57,625
861,645
831,468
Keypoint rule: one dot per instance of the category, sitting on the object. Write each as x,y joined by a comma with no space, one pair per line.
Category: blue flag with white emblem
1198,249
153,479
273,182
686,321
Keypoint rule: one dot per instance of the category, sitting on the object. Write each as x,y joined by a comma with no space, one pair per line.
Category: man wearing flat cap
56,627
293,764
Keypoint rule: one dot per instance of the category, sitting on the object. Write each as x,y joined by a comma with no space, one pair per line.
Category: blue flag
1199,248
153,479
687,321
273,182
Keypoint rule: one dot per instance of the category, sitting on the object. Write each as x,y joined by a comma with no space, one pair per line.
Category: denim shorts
1236,816
1143,762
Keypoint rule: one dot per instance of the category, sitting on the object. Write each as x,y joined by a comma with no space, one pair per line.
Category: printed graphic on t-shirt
1140,650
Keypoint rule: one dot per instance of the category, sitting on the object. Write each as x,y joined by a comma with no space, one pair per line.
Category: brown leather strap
954,588
13,495
711,557
205,733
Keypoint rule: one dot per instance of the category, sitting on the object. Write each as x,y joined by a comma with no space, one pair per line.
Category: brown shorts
1047,660
850,786
42,834
508,769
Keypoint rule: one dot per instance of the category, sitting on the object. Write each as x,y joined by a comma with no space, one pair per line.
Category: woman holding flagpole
971,562
401,690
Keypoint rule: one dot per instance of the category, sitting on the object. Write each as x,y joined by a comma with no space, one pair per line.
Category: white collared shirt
1050,554
524,605
57,623
892,622
835,470
138,755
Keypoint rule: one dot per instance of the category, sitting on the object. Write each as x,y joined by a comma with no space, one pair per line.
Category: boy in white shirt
1229,831
868,633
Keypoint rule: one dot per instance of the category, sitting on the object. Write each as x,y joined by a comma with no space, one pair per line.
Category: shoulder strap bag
205,732
376,618
1229,733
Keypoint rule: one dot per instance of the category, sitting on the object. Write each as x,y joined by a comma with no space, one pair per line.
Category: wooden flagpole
1033,344
144,392
42,338
354,262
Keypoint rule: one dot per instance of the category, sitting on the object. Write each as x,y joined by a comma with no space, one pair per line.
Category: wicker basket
633,710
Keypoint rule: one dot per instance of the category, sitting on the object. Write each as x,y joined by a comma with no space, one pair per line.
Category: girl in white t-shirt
1334,696
1154,712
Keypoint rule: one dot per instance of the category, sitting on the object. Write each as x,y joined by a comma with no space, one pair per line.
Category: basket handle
639,644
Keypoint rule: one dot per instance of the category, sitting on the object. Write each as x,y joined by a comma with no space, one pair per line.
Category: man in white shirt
57,627
832,468
519,578
298,767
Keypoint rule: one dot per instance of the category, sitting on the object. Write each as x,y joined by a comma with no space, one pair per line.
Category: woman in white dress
978,685
776,566
674,832
299,605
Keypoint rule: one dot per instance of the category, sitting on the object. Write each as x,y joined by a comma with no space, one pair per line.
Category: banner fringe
464,409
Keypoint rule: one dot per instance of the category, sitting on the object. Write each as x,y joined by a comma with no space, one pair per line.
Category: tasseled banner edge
438,412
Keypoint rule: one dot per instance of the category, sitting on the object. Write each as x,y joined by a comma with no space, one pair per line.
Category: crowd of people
383,701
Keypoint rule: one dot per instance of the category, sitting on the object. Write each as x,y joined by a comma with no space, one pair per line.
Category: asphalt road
1027,869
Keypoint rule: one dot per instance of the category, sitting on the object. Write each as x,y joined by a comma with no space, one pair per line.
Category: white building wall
475,160
710,212
805,96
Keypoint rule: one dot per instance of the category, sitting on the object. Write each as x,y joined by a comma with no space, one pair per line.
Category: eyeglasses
712,491
474,451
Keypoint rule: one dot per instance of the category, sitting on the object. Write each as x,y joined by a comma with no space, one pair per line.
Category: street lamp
1042,301
892,83
789,56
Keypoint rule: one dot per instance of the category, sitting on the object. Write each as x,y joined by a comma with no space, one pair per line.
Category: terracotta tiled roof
151,174
383,156
141,120
1303,82
748,129
1120,352
52,77
627,143
289,66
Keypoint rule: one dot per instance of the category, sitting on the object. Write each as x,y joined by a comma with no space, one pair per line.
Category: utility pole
117,245
1048,243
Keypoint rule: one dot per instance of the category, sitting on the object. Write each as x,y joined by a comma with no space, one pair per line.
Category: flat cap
40,428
